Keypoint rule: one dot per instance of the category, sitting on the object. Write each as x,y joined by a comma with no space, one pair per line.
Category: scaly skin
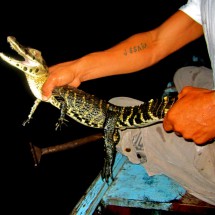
86,108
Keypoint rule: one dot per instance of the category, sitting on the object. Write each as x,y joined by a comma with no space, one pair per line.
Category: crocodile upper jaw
32,63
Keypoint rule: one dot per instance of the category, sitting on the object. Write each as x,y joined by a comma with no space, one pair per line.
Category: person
182,147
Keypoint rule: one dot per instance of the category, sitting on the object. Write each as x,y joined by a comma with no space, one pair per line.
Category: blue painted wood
132,187
88,203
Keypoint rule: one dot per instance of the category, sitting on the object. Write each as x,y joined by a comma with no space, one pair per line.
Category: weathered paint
132,187
88,203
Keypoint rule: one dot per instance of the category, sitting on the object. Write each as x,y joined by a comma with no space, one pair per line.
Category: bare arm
133,54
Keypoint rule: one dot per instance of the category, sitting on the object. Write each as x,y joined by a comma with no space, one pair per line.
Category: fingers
167,125
202,138
53,82
199,139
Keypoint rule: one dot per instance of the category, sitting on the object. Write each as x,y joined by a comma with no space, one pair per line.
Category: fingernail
44,98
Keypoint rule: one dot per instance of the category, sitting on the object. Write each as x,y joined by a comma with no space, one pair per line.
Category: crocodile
86,108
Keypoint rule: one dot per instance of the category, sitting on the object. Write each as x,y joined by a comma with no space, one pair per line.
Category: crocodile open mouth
22,58
27,60
27,56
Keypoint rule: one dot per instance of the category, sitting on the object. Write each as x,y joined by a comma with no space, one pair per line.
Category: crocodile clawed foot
106,172
26,122
60,122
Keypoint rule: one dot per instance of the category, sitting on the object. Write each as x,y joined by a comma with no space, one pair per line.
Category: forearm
141,50
131,55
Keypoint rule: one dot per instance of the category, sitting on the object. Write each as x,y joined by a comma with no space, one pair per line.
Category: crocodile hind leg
109,145
62,120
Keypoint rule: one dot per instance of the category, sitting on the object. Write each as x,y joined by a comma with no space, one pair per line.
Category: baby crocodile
85,108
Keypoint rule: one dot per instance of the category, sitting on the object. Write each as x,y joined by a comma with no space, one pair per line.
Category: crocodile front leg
33,109
109,144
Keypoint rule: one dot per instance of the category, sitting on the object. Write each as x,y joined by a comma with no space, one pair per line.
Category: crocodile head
33,65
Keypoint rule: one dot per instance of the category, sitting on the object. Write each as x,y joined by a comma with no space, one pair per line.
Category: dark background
63,31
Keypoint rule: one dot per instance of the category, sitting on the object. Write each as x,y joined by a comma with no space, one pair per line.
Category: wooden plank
88,203
133,187
191,204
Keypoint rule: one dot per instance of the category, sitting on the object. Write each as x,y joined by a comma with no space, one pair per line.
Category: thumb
47,89
185,91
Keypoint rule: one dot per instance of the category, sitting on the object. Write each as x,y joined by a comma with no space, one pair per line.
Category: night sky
62,32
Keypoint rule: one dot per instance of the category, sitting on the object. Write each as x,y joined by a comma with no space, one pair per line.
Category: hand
60,75
193,115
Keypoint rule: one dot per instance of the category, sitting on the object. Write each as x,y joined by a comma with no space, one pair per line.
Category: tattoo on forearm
135,49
